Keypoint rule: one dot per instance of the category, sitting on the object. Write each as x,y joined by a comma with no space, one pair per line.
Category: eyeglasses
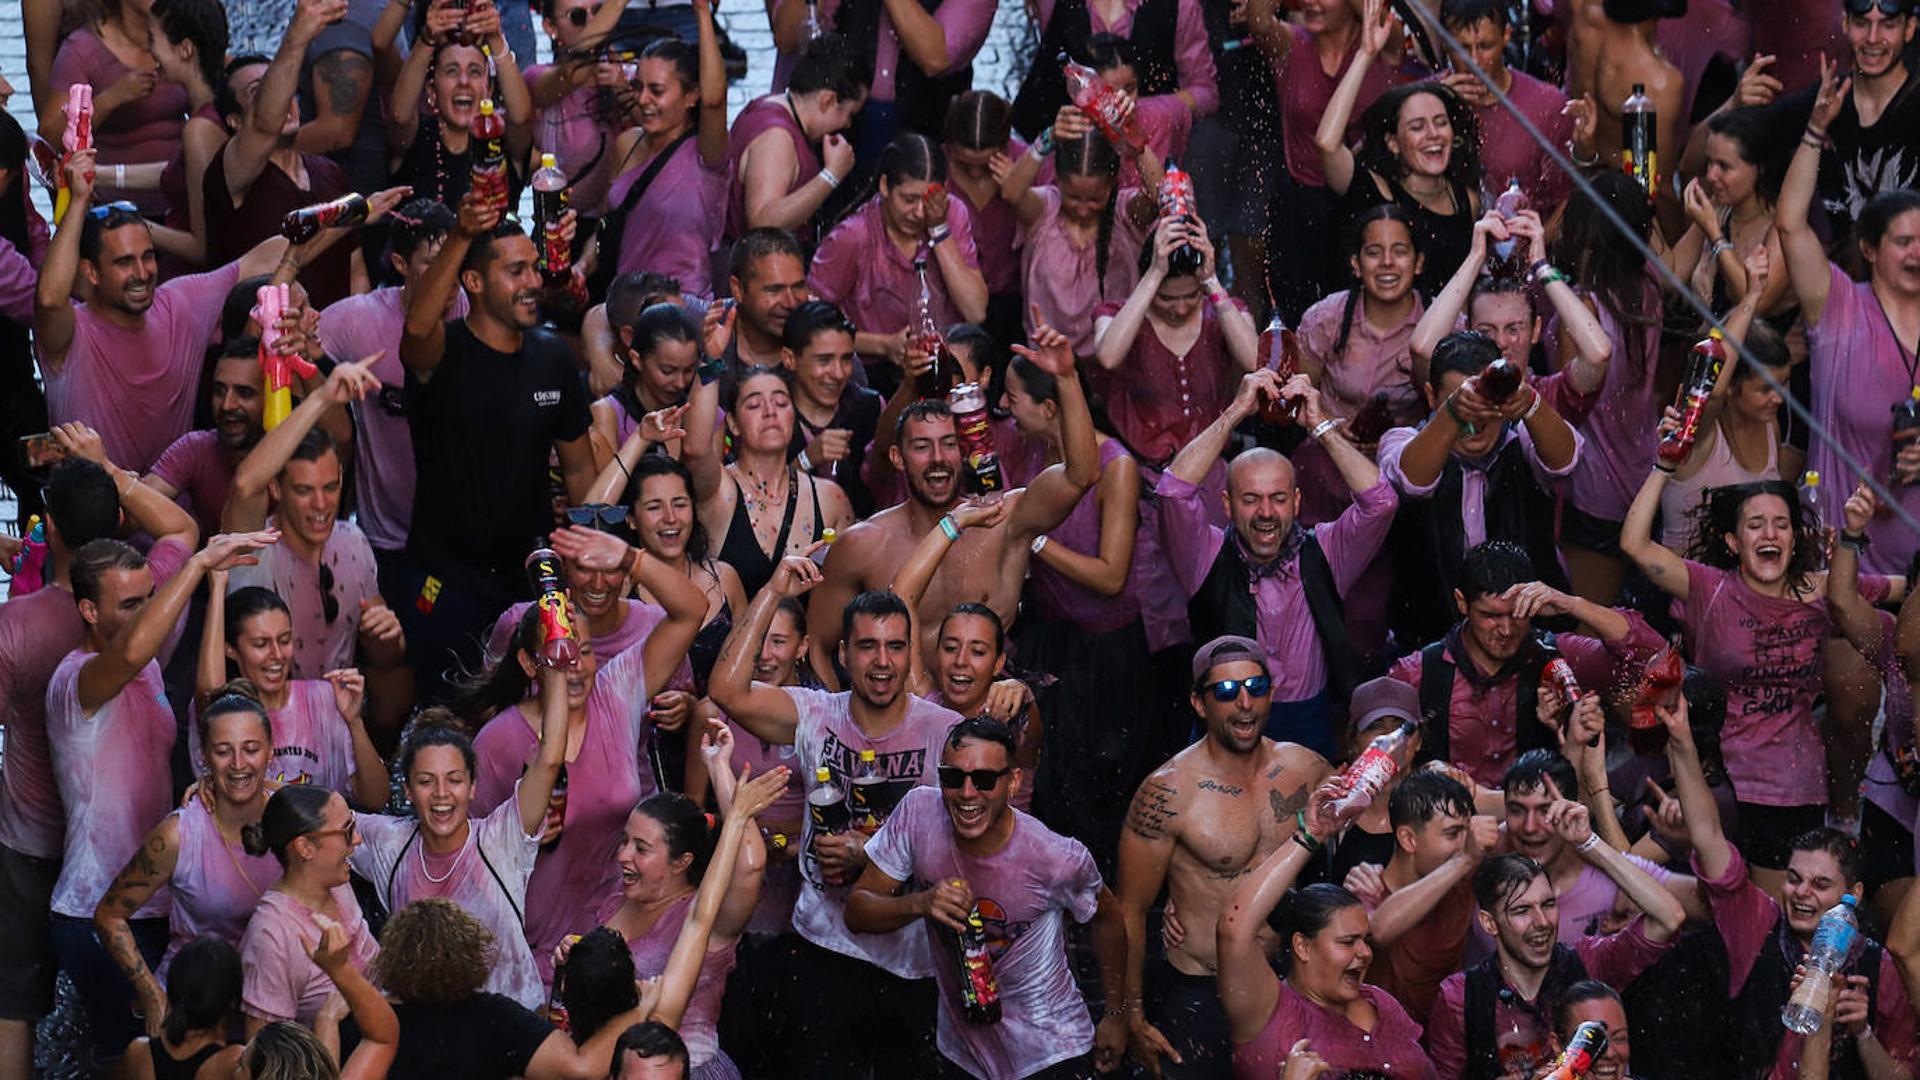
579,16
329,603
107,210
1258,686
603,516
1892,9
350,830
952,776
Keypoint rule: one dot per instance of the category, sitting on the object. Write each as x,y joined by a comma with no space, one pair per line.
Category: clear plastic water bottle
1510,203
1833,944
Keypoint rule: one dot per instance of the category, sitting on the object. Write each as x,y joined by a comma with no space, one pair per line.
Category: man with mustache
199,466
986,565
1266,578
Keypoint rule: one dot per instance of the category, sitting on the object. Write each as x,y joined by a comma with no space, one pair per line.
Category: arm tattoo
1287,806
347,76
1152,810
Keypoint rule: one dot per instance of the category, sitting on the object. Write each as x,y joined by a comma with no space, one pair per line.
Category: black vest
1224,605
1045,87
1436,701
1485,985
1429,533
920,100
1757,1009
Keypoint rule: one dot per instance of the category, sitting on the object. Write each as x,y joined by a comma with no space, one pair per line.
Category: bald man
1269,579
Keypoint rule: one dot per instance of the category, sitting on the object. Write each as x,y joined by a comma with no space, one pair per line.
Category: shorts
26,952
1596,534
1187,1010
106,996
857,1018
1765,834
1886,846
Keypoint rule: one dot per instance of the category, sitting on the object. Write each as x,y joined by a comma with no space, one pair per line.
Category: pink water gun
277,369
77,137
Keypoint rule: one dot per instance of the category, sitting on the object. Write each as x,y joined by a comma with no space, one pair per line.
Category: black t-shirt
1864,161
485,1037
483,430
859,413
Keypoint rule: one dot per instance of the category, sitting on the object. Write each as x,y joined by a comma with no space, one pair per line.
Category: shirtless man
986,565
1609,51
1197,824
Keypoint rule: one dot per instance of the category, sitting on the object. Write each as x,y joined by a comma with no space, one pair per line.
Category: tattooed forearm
1152,810
1288,806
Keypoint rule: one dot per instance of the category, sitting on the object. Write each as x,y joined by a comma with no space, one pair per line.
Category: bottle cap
1713,333
866,755
828,535
486,106
1914,394
1810,478
822,775
547,162
1849,899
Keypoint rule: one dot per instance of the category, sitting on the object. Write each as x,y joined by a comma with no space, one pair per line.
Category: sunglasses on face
952,776
597,515
1225,690
349,830
579,16
329,603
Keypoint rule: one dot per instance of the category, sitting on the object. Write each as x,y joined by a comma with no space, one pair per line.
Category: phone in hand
41,449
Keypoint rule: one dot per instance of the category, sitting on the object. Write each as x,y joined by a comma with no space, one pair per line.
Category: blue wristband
948,526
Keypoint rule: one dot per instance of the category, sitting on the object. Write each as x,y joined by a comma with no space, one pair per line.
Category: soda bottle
969,404
549,203
556,1005
1103,104
1638,142
979,993
1510,203
1176,204
1588,1043
345,212
1372,771
557,805
1498,381
827,810
489,175
559,642
1833,943
863,802
1559,674
1281,347
937,380
1906,422
1659,685
1372,421
1709,356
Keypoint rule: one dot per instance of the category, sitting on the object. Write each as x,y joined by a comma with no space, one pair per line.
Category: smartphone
41,449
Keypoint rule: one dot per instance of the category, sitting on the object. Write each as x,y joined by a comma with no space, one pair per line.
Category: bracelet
1817,139
950,527
1218,297
805,463
624,471
1858,543
1718,246
1592,841
1039,542
1585,163
1043,146
938,233
1301,836
1550,276
119,176
1531,409
828,175
1325,426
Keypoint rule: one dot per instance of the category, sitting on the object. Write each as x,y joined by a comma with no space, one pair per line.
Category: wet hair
684,824
314,445
1706,715
811,319
979,120
655,325
988,355
1878,215
82,503
875,604
1760,146
924,409
1502,877
596,982
1104,52
1382,121
983,729
95,559
1425,795
1042,386
202,22
1307,911
1844,849
1579,994
1457,15
436,726
244,604
1092,155
975,607
831,62
1357,240
1145,260
1718,517
237,696
747,375
506,684
652,1039
1465,352
1531,771
1502,285
203,987
1766,345
680,54
480,255
226,100
1491,567
93,231
759,243
912,156
638,289
287,1051
1611,269
652,465
414,223
292,812
433,953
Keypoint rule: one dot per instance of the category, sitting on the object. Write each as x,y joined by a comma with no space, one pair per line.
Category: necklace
768,494
441,880
232,858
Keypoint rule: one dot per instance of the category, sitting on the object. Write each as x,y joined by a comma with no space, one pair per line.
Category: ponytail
481,698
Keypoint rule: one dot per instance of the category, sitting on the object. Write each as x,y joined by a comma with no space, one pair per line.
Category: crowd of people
1357,537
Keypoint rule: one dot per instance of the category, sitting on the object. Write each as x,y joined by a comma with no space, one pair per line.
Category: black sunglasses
603,516
952,776
329,603
579,16
1229,689
1892,9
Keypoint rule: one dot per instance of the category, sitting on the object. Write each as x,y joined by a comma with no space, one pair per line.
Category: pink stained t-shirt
311,741
1023,893
861,269
1373,362
1620,436
1192,57
1159,400
963,26
1860,371
995,227
282,982
1391,1048
1508,152
581,144
37,631
699,1026
759,117
1052,594
320,644
908,756
216,885
677,223
1304,89
144,130
773,914
1062,276
605,781
196,465
137,387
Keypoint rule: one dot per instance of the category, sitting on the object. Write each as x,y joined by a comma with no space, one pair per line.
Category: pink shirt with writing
311,741
320,644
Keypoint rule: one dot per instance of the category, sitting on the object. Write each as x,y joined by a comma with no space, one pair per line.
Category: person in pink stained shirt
196,853
137,113
607,719
197,470
785,151
1014,879
1162,44
1507,152
312,834
867,264
111,730
570,120
979,128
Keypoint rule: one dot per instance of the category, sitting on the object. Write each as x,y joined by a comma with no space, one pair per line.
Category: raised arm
1807,268
765,710
1699,812
1249,988
1104,573
379,1025
146,509
1856,618
1114,337
910,581
1404,909
1270,33
1356,468
1016,177
1196,459
1663,567
713,88
246,506
767,172
410,85
52,295
211,673
1571,820
700,450
424,339
536,784
1330,138
685,604
1051,496
247,152
1443,314
145,874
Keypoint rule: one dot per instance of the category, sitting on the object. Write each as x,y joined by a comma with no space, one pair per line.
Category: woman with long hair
1730,214
189,41
431,150
656,369
137,112
198,853
202,1003
1355,344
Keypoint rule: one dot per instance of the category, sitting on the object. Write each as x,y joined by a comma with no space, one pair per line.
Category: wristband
1218,298
1550,276
1718,246
1592,841
120,176
1325,426
1301,836
938,233
1043,146
950,527
827,175
1816,139
710,370
805,463
1531,409
1039,542
1857,542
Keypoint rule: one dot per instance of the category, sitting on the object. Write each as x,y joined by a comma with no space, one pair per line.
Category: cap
1225,649
1382,697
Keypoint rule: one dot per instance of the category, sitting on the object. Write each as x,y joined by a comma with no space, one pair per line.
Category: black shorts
1765,834
1596,534
1886,846
1187,1010
26,953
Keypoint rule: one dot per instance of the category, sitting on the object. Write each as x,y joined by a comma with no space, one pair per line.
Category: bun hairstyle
292,812
203,989
236,696
1307,911
687,828
436,726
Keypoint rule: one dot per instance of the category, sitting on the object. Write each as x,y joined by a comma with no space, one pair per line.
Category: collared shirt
1192,58
1372,363
861,269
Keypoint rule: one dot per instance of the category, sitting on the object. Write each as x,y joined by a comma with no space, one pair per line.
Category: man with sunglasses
1197,823
127,361
1020,879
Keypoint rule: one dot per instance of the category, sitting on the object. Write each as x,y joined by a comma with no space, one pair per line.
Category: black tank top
742,549
166,1068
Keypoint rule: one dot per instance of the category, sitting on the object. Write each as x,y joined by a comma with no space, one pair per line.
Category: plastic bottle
1638,140
1103,105
1906,422
863,804
1510,203
28,572
489,174
1560,675
979,992
549,203
344,212
937,380
969,404
1498,381
1373,770
557,806
1659,685
277,368
812,25
1833,944
1576,1061
1372,421
1704,364
1521,1046
827,810
1281,349
1176,204
559,642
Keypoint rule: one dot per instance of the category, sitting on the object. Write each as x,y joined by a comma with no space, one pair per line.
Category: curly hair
433,953
1382,121
1718,517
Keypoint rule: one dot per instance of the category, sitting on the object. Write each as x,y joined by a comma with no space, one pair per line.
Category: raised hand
1534,599
1700,209
950,902
979,513
1832,95
589,549
1586,120
1050,350
77,440
1756,86
477,216
669,709
1569,819
1860,508
716,329
329,954
716,746
753,794
795,576
1377,27
228,550
663,425
837,154
349,691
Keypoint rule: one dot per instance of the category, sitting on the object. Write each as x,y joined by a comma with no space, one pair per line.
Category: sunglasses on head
107,210
329,603
579,16
1229,689
597,515
952,776
1892,9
